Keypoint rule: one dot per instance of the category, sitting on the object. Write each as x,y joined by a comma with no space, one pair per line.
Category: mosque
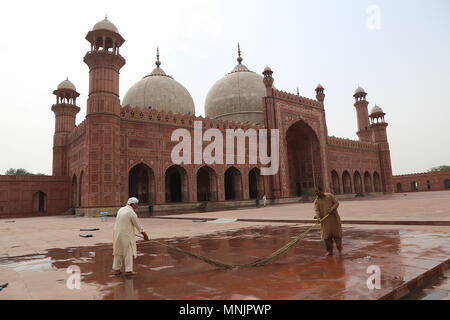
123,147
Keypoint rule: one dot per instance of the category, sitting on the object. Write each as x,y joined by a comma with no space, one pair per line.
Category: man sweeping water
124,241
330,228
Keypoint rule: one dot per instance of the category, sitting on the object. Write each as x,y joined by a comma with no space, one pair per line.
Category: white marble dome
237,96
105,25
66,84
160,92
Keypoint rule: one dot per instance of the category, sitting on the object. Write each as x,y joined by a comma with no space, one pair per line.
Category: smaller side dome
105,25
319,86
376,109
359,90
66,84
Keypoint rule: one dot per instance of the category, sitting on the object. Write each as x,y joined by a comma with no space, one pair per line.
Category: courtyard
405,235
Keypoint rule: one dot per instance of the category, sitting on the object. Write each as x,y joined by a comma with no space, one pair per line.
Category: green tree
21,172
439,168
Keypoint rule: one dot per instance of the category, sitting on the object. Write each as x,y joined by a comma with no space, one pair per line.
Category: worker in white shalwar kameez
124,241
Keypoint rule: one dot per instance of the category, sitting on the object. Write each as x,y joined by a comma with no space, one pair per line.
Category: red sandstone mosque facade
123,149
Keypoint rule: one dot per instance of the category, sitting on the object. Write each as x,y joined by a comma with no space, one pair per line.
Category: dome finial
106,16
158,63
239,59
298,92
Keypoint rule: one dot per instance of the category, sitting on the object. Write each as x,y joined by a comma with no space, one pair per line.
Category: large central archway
206,184
304,160
233,184
141,183
176,184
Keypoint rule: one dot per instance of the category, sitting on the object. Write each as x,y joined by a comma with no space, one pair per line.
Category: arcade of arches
141,184
355,186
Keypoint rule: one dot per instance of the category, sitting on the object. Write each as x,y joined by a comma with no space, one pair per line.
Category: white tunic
123,234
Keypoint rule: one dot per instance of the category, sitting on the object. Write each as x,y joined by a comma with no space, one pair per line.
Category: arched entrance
347,182
141,183
255,184
376,182
447,184
399,187
74,192
233,184
39,202
304,161
358,182
367,182
335,181
206,184
176,184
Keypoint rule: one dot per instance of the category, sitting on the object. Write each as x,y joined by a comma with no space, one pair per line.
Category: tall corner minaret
65,110
103,115
273,182
362,115
378,127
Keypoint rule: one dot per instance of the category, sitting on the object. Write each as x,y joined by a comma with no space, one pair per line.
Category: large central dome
237,96
161,92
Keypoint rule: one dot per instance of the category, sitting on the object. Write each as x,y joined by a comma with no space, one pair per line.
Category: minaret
362,115
65,111
320,96
103,116
378,126
273,182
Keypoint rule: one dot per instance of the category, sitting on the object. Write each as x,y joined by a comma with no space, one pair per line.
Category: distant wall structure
419,182
23,196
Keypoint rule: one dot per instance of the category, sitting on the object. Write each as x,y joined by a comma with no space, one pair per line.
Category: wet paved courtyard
36,252
302,273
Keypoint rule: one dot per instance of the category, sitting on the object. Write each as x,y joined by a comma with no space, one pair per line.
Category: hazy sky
404,65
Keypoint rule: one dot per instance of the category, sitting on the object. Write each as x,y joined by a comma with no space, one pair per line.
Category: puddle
222,220
302,273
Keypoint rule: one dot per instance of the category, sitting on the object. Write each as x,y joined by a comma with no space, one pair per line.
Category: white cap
132,200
